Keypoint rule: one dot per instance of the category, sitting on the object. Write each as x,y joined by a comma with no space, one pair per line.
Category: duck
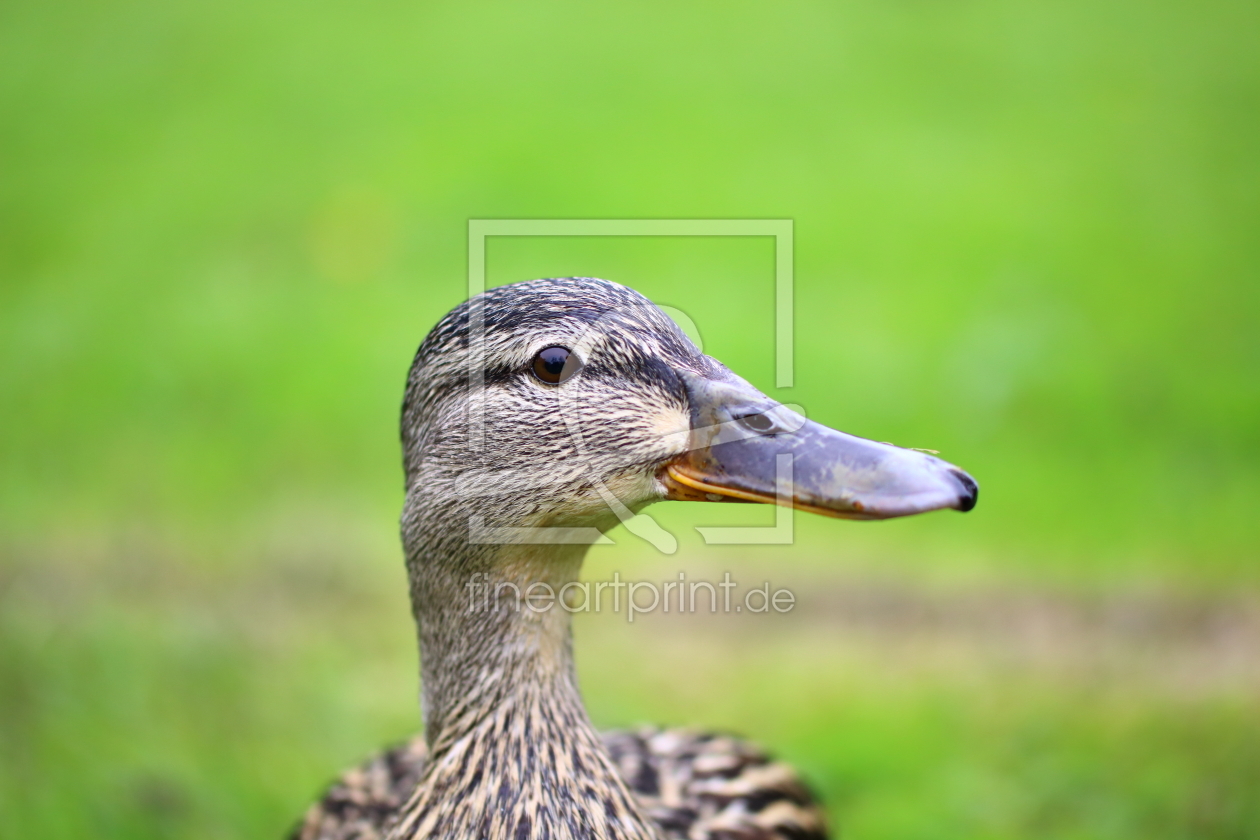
536,417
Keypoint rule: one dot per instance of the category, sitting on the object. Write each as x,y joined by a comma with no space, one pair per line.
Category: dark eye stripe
553,365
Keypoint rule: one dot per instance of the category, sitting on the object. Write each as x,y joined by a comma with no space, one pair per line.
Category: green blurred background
1025,236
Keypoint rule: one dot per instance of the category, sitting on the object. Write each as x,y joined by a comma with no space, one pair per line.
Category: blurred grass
1025,237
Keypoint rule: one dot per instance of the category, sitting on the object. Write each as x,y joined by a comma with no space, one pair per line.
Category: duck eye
553,365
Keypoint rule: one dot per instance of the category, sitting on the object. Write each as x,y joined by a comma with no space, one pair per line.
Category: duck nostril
971,491
759,423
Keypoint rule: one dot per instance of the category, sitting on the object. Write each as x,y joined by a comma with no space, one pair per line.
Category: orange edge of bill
731,492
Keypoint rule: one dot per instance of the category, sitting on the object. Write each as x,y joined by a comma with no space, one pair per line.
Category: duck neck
492,632
511,745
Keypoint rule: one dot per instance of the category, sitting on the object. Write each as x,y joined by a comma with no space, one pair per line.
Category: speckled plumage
694,786
509,752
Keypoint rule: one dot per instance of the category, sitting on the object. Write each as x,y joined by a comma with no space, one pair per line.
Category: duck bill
745,447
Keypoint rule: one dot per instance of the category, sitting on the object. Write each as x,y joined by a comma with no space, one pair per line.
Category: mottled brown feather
694,786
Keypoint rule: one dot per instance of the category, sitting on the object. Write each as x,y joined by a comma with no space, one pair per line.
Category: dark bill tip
971,491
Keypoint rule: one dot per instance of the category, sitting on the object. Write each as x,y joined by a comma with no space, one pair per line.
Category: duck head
575,401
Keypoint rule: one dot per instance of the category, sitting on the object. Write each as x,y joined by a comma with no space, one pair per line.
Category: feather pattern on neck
513,752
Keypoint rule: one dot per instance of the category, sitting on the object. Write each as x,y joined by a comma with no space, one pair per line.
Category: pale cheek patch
671,429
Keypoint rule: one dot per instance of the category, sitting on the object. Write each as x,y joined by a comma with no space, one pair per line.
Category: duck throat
513,753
